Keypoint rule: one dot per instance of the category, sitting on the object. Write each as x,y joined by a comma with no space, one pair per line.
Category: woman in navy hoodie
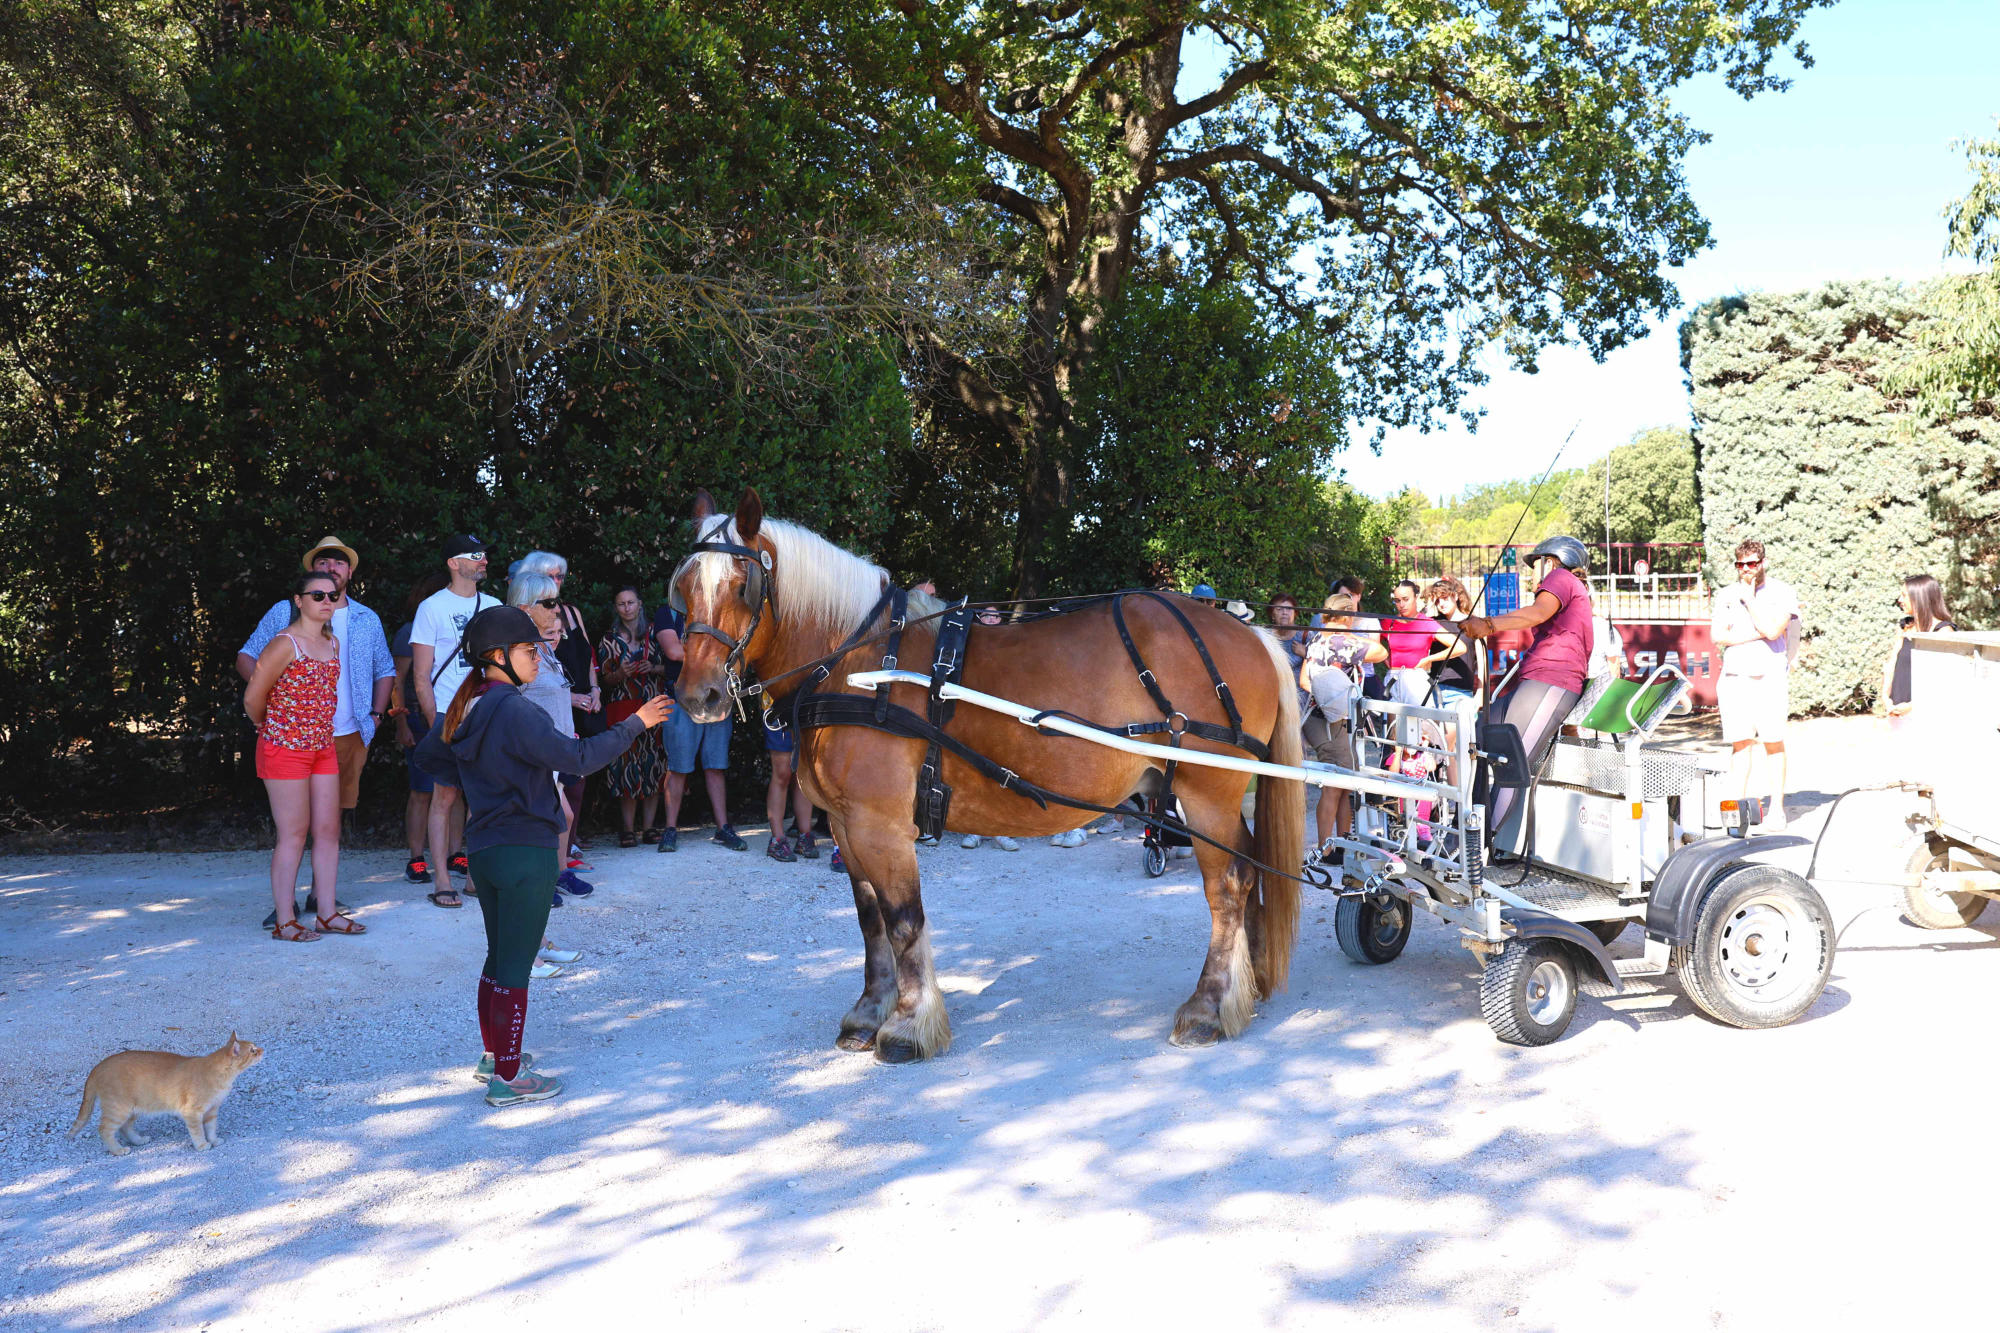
503,753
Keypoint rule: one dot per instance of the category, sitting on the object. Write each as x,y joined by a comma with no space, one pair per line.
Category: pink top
299,713
1410,641
1560,653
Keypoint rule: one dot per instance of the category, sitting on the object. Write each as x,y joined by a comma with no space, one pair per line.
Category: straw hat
330,544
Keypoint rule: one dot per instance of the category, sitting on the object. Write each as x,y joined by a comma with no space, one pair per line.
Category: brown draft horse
865,779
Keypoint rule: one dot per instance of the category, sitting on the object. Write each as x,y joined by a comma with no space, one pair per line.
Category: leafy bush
1800,446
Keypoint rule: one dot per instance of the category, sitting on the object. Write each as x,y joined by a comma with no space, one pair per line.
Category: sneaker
459,864
670,840
1006,844
483,1071
417,870
928,840
525,1088
555,899
780,850
570,882
543,970
839,862
804,845
1075,837
725,835
969,841
562,955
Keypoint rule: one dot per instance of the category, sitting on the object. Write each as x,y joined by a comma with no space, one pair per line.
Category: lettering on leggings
510,1021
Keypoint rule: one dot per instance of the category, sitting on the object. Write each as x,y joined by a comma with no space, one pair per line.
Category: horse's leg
917,1027
878,989
1225,995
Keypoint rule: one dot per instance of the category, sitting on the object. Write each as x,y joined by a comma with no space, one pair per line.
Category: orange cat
134,1082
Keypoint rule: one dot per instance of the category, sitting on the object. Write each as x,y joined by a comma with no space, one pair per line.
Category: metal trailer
1951,744
1619,834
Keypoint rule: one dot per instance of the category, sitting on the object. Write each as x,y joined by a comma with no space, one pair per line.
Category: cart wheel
1929,908
1372,930
1528,994
1607,932
1762,951
1156,860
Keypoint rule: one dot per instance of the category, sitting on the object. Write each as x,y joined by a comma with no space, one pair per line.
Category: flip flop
437,898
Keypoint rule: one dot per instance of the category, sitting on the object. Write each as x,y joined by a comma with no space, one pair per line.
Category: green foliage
1417,182
187,401
1652,491
1801,446
1486,514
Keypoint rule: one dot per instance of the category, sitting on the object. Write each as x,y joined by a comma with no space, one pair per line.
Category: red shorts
275,761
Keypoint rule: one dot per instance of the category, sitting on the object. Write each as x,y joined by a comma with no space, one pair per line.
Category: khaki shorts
1754,708
353,754
1328,742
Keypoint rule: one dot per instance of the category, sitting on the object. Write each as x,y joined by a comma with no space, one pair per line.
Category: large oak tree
1418,178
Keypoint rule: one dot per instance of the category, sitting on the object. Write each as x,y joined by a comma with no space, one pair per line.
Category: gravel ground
1366,1152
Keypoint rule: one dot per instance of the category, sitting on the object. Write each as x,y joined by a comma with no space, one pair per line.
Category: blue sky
1846,175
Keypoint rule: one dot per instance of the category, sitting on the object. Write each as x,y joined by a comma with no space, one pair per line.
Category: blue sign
1503,594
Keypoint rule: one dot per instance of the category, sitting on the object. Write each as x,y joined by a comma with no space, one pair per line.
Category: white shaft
1320,775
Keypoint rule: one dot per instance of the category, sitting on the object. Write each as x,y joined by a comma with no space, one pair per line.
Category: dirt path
1367,1152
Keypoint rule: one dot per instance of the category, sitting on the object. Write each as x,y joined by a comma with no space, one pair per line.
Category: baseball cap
462,546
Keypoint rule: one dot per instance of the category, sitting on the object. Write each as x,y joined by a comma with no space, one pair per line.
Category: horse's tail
1278,839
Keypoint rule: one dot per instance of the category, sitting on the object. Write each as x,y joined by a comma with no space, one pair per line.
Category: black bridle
756,592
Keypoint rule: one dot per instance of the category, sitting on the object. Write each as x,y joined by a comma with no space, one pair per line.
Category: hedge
1800,446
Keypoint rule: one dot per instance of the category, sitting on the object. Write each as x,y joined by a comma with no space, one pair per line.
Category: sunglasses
547,603
318,596
1748,564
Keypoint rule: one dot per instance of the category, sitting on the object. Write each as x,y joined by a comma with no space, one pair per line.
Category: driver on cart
1550,678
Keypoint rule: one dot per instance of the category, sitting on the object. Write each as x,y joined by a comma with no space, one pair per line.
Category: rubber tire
1156,860
1503,992
1358,925
1607,932
1703,974
1934,911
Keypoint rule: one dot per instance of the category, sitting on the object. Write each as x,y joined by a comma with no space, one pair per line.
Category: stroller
1156,841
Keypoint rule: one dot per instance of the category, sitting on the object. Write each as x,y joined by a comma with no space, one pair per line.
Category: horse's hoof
896,1050
859,1039
1193,1034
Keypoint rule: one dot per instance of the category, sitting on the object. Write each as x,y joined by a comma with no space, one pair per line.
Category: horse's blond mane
820,586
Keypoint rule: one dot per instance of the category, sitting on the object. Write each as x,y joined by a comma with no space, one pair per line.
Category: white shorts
1754,708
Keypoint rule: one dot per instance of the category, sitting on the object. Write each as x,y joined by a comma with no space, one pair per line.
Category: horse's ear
749,515
704,504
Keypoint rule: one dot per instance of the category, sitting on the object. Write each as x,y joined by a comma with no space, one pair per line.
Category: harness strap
933,806
853,710
899,614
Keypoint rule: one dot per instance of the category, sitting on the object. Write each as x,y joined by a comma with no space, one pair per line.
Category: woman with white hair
579,662
551,688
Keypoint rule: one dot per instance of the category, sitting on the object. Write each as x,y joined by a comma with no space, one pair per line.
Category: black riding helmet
1567,551
499,627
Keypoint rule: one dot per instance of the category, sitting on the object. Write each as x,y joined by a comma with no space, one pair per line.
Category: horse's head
725,589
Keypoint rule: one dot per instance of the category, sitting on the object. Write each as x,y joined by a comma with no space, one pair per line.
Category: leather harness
812,709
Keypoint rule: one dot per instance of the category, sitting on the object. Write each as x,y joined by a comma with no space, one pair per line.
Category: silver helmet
1568,552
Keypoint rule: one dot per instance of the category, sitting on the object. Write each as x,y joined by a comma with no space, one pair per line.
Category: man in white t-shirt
438,665
1755,624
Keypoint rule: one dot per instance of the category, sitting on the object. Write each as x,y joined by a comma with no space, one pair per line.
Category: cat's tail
89,1104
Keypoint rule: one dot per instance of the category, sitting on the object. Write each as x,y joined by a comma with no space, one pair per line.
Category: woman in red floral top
291,698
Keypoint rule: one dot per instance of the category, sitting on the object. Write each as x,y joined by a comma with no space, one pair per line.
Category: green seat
1624,700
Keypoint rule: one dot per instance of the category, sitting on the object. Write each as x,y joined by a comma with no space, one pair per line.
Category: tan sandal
292,932
347,925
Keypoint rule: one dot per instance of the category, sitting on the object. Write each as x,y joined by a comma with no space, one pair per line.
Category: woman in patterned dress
631,667
291,698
